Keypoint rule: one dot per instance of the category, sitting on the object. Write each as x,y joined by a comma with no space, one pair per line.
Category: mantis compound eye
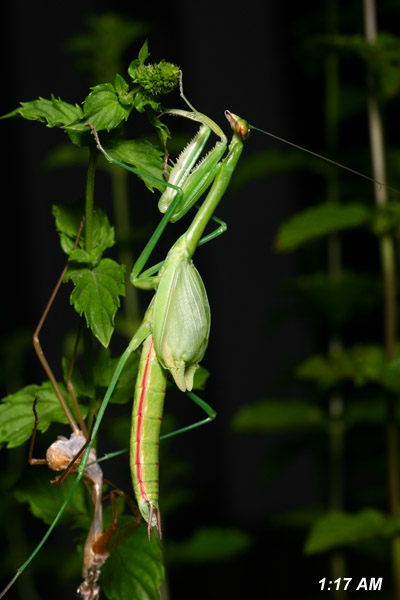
239,126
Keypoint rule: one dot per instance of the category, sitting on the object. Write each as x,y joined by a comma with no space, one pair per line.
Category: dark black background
246,59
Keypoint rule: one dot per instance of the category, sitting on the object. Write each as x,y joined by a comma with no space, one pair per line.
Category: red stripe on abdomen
142,403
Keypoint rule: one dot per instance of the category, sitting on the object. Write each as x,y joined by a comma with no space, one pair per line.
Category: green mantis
176,326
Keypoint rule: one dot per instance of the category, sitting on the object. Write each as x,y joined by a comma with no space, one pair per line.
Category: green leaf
68,219
102,109
272,415
134,568
381,57
161,128
122,89
387,218
200,378
210,545
16,414
337,529
142,155
96,294
54,112
319,221
144,53
361,364
45,499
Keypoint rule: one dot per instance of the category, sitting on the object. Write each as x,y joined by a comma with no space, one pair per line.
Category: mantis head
239,126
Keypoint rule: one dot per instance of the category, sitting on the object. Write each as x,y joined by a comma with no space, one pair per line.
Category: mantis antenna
329,160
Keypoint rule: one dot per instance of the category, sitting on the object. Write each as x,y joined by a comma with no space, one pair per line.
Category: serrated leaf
16,414
96,295
134,568
103,109
270,415
210,545
68,219
319,221
142,155
45,499
339,529
55,112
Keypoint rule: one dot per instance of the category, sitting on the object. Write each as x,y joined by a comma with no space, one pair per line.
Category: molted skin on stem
181,322
61,452
59,456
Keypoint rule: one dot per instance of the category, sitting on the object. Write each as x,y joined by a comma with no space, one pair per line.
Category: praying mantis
176,326
168,343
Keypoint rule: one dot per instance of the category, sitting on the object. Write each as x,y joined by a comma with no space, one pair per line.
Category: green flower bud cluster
157,79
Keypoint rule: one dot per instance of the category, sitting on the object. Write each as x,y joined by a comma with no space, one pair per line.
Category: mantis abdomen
145,433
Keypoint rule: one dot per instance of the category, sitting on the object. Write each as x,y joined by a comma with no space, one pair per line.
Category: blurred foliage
101,49
343,387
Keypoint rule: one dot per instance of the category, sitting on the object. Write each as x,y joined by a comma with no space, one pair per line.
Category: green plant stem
89,199
89,376
119,180
389,283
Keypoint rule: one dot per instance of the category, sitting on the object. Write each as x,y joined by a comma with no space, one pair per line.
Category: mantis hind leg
210,412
